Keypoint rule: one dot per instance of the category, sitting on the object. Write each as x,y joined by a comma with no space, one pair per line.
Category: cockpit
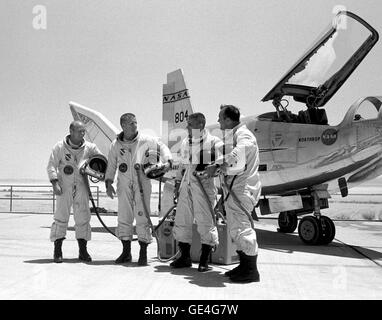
309,116
322,70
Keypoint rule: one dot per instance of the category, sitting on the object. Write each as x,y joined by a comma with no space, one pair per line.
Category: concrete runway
349,268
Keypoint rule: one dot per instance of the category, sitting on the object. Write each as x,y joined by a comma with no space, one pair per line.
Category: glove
57,190
110,189
212,170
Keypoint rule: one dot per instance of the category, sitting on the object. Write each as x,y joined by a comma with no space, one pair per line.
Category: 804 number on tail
181,116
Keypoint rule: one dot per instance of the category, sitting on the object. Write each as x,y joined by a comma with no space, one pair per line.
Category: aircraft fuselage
295,156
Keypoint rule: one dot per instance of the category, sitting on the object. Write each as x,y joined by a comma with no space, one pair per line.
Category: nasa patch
329,136
123,167
140,213
68,170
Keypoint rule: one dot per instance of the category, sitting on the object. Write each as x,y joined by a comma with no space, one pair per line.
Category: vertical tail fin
98,129
176,107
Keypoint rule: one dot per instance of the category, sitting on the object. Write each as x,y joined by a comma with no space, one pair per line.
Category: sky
113,56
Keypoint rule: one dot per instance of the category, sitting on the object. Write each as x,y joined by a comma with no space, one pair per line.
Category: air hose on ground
85,176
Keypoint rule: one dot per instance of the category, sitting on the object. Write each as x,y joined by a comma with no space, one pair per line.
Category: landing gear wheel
309,230
287,222
328,230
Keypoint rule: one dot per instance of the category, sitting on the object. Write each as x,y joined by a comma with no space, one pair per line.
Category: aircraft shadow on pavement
291,242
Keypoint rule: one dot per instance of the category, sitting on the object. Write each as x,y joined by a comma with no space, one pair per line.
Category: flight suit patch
123,167
68,170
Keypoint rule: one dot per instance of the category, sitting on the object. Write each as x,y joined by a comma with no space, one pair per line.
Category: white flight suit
64,165
123,155
192,203
242,151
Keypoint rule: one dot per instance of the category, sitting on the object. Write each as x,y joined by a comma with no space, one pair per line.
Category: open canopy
322,70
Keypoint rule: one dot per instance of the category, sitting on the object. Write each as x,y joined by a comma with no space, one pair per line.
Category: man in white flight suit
241,151
197,150
126,150
70,189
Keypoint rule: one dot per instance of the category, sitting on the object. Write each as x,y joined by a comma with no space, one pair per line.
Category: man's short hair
126,117
198,117
231,112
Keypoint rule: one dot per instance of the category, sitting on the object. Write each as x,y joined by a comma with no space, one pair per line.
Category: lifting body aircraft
303,159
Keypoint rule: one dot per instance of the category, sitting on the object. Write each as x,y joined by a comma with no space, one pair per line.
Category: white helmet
95,167
152,166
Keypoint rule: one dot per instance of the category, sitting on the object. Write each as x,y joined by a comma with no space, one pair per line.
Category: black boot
126,252
204,257
83,254
142,260
184,260
57,256
248,272
238,268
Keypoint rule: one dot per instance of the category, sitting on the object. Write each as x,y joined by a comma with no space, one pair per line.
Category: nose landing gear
317,229
287,222
328,230
309,230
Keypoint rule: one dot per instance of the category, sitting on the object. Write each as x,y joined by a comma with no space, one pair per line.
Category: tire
328,230
287,222
309,230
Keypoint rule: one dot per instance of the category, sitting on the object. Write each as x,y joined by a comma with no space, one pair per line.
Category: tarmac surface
348,268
